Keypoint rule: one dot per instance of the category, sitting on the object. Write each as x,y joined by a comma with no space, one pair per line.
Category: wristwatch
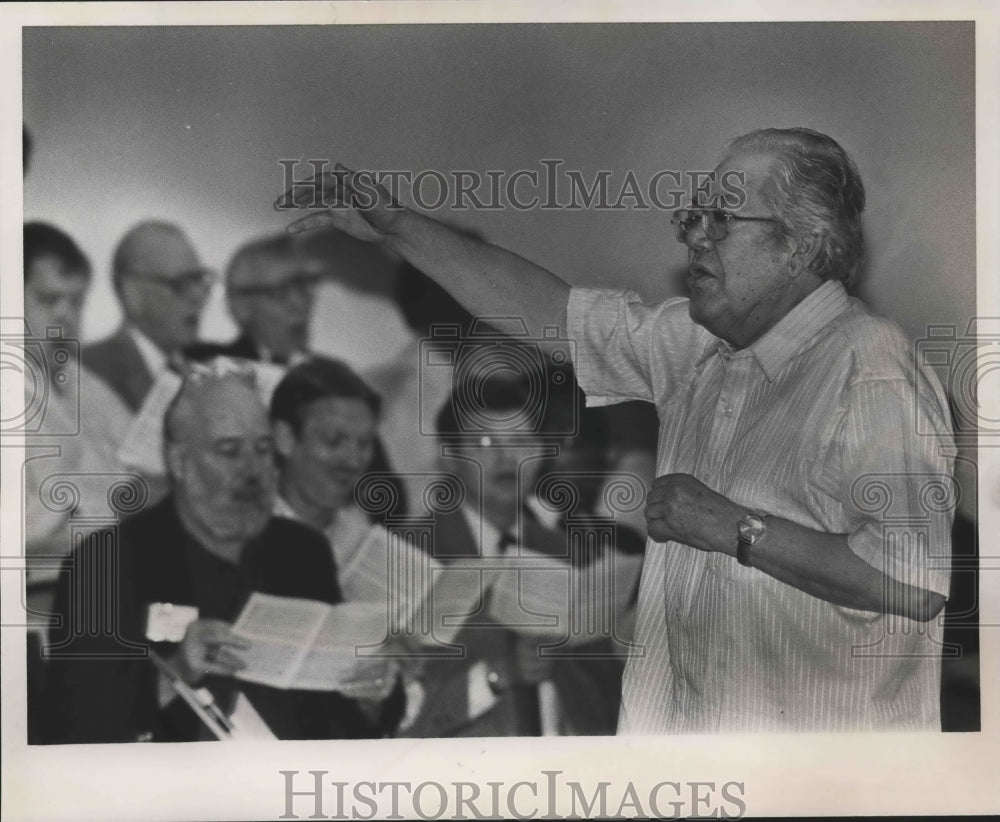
750,530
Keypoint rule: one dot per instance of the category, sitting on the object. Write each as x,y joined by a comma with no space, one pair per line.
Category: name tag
166,622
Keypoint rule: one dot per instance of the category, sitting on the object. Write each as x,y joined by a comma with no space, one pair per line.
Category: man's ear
806,252
284,438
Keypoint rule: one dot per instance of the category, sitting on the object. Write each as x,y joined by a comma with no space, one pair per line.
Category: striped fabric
825,421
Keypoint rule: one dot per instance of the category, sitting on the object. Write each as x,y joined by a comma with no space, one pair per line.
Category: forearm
485,279
824,566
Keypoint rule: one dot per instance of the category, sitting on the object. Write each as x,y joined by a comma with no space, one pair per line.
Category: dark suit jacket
118,362
242,347
114,698
588,687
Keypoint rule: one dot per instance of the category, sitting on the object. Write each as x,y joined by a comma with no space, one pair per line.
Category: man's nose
696,237
254,466
356,457
507,458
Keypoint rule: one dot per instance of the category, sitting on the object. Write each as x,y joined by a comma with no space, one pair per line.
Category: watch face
751,528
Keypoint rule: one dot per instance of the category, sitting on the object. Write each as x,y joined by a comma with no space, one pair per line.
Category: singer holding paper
174,578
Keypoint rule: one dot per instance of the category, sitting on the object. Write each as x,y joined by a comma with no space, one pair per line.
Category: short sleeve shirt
827,421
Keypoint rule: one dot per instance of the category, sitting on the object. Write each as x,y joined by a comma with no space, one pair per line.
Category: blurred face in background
323,461
162,285
271,298
498,474
53,296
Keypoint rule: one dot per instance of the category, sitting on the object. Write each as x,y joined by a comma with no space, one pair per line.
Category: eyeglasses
303,284
186,283
714,221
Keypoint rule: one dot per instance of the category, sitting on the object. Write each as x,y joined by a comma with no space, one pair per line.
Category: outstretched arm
485,279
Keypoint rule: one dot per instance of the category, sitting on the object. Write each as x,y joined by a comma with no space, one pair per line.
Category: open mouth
697,271
699,275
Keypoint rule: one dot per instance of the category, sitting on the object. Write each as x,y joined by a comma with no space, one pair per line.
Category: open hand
343,199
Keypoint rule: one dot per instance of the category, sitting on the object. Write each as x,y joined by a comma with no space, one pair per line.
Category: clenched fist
681,508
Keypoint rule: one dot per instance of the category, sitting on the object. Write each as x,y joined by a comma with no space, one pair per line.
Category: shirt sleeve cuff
906,561
584,302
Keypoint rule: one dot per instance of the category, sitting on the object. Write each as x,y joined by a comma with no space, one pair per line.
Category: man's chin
248,521
699,309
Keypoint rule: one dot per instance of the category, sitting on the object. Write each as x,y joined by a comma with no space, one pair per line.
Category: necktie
524,695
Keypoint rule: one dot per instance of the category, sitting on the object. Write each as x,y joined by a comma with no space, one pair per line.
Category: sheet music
310,645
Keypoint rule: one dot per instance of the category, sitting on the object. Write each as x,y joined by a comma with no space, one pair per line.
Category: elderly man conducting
185,569
779,591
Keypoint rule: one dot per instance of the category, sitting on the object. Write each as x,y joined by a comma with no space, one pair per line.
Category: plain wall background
188,124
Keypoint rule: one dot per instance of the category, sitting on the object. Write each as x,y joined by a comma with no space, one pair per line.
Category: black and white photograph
493,410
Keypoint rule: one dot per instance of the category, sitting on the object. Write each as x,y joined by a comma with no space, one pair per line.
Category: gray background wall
187,124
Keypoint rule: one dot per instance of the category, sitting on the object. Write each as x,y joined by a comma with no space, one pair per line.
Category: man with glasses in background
162,288
800,523
270,291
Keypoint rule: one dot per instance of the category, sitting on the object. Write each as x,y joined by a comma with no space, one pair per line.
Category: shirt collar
152,356
773,351
484,532
283,509
798,326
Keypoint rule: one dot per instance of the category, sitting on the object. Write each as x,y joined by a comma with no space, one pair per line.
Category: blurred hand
522,666
209,647
373,680
345,200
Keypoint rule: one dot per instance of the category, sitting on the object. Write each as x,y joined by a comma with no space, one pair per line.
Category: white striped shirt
825,421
